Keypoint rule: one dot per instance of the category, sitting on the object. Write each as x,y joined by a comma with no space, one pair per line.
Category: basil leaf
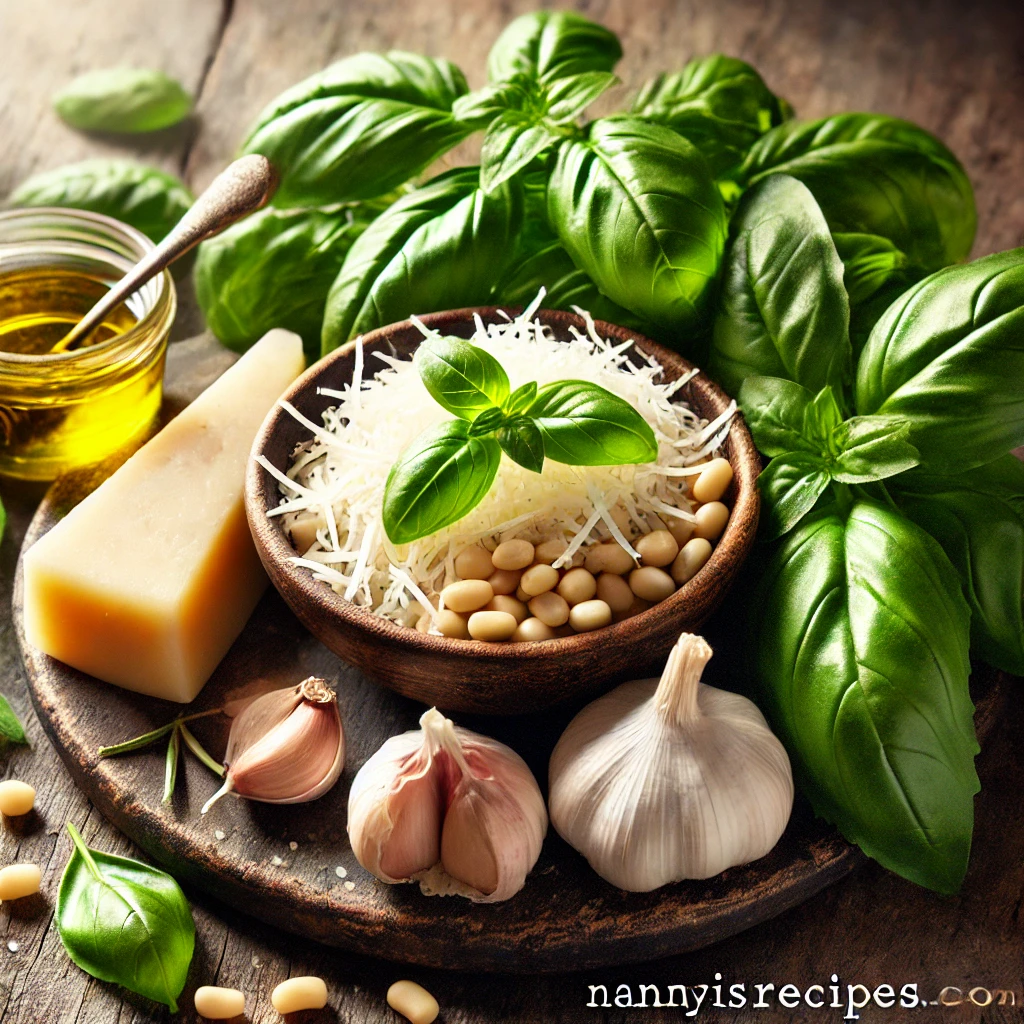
876,175
978,519
567,98
11,730
872,448
948,356
776,411
487,422
822,418
438,479
359,128
521,440
148,199
719,103
861,639
783,311
479,108
548,45
582,424
274,269
125,922
513,140
790,487
462,378
636,209
521,399
122,100
439,247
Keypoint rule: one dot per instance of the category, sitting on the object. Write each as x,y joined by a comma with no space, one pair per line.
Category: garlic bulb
285,747
662,780
456,811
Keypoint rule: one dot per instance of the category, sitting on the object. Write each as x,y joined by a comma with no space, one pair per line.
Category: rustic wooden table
955,68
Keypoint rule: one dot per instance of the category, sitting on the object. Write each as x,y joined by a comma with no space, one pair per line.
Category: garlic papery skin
456,811
285,747
664,780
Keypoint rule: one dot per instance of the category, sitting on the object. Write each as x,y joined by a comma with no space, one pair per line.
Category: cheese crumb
340,871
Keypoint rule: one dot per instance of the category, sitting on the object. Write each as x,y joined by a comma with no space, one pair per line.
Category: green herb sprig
447,471
11,729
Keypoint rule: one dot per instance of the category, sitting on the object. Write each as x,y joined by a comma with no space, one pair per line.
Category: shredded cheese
333,490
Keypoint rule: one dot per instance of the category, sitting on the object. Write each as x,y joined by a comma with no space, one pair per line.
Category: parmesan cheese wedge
149,580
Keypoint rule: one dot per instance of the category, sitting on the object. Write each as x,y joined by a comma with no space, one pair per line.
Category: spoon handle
241,188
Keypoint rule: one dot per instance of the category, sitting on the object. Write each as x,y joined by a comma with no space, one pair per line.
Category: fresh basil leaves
11,729
448,471
146,198
122,100
125,922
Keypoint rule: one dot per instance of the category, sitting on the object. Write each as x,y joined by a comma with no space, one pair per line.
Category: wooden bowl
493,678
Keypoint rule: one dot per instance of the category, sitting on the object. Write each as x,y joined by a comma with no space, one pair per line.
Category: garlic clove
467,852
285,747
412,843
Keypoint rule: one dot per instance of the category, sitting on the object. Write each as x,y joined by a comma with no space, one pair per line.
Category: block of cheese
150,579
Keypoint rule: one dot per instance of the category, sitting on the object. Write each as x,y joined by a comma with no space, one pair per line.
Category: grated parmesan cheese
332,492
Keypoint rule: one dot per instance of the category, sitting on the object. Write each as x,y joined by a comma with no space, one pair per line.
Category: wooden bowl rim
274,547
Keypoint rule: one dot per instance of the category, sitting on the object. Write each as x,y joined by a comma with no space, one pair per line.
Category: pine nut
614,591
492,626
681,530
590,615
216,1003
533,629
467,595
513,554
657,548
16,798
413,1002
577,585
473,563
512,605
608,558
549,550
711,520
714,481
522,595
552,609
19,880
538,579
452,624
308,993
691,560
651,584
505,581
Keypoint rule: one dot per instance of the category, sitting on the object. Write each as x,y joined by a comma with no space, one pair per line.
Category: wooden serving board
281,863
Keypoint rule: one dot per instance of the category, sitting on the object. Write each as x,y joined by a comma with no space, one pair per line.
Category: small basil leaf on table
721,104
439,247
461,377
11,729
775,410
872,448
547,45
948,356
521,440
582,424
443,475
876,175
359,128
783,311
790,487
122,100
274,269
861,634
513,140
634,205
144,197
978,519
521,399
567,98
125,922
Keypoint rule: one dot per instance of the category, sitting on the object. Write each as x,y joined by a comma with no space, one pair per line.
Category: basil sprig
447,471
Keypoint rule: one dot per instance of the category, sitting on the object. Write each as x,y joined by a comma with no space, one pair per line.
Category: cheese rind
148,581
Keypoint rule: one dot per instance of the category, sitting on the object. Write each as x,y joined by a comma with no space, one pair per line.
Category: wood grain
955,68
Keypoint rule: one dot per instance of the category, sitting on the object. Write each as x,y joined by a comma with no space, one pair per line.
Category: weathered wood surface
953,67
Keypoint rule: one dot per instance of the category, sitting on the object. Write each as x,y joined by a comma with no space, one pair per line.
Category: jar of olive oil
63,410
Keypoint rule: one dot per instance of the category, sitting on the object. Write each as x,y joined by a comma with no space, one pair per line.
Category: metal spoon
240,189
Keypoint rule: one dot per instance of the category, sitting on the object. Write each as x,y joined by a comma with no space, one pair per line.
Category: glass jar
61,411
